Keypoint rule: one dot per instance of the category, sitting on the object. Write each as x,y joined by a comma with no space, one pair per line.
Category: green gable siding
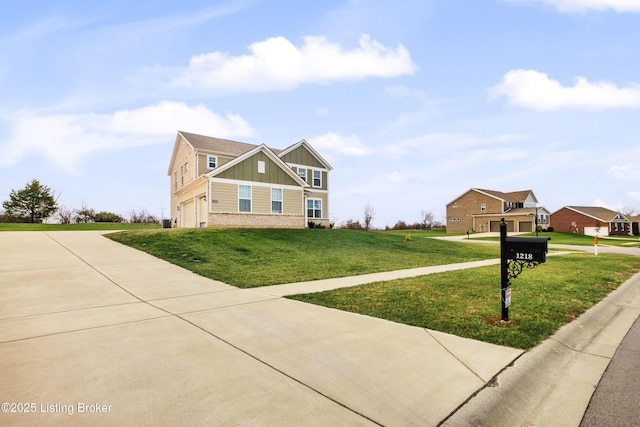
247,170
302,156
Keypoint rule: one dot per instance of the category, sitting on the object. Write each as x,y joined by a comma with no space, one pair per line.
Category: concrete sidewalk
93,332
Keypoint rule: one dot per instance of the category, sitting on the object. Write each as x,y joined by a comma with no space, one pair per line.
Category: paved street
615,401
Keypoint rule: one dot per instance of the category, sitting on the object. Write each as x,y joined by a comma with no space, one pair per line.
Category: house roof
235,148
599,213
218,145
513,196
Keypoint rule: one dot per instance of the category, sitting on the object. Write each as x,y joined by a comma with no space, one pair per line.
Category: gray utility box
527,248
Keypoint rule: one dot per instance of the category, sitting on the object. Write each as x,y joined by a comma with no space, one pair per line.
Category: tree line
427,222
36,203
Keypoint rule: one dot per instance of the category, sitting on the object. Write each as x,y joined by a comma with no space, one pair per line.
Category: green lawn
69,227
259,257
464,303
467,302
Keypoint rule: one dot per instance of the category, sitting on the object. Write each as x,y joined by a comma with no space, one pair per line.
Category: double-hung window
212,162
276,200
317,178
244,198
314,208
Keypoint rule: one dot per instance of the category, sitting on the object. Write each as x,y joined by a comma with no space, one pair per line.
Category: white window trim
250,198
209,157
281,200
313,178
314,209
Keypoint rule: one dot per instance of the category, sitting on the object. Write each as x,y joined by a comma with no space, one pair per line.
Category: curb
552,384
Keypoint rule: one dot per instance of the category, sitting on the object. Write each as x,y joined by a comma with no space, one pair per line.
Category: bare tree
142,217
65,215
369,213
426,220
84,214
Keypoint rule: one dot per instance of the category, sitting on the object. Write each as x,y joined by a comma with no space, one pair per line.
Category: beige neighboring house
222,183
480,211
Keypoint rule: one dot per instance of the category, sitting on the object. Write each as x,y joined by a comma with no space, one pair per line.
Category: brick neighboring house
222,183
635,224
591,220
481,210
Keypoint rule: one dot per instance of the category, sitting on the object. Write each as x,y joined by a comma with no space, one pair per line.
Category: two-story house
222,183
480,211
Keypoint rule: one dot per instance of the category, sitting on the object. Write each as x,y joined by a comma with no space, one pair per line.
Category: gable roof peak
512,196
305,143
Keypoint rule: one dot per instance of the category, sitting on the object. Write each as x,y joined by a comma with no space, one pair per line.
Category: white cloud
340,144
277,64
628,171
577,6
448,141
402,91
535,90
619,207
66,139
633,195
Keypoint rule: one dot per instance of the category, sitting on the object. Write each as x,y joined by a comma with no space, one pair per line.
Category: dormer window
212,162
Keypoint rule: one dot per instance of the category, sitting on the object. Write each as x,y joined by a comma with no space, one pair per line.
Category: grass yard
259,257
467,302
73,227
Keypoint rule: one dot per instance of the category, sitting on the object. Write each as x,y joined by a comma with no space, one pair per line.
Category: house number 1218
524,256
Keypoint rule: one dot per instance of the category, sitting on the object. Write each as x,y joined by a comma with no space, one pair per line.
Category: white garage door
189,215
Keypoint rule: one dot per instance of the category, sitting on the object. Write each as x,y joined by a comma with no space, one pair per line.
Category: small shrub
352,225
107,217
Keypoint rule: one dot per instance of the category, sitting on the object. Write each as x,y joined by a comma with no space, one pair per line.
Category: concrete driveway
96,333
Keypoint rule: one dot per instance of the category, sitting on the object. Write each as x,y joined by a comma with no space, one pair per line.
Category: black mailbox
527,248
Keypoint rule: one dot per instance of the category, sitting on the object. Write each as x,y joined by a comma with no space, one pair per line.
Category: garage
525,226
189,214
494,226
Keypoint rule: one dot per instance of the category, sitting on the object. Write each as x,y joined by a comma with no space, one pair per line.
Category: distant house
217,182
591,220
635,224
481,210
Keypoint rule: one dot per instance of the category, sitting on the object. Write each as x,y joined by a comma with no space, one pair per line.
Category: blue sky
412,102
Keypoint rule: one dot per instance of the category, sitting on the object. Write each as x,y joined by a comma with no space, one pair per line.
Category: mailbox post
517,253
